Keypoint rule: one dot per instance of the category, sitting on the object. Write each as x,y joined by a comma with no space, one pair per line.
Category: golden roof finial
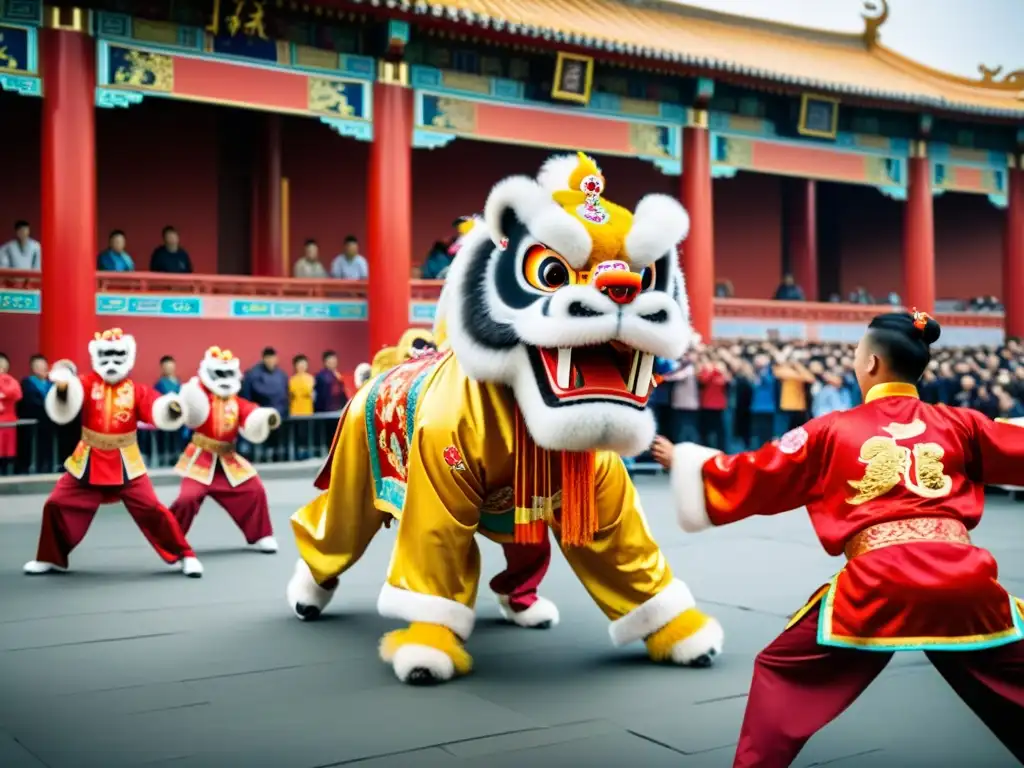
874,17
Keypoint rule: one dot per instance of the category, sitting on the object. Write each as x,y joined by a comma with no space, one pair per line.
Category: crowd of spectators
739,395
730,395
24,252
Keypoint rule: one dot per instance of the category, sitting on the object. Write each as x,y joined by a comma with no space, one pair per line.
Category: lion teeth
644,375
634,366
564,368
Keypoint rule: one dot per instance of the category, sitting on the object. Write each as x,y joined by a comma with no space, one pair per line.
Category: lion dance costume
210,465
556,307
526,564
107,465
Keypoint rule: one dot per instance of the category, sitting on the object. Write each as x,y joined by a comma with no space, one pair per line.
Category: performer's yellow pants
435,567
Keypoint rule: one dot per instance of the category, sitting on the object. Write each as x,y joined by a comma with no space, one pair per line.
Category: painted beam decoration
450,105
752,144
231,62
19,59
971,171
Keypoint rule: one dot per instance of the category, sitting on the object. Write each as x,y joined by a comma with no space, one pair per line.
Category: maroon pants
526,565
246,503
73,504
799,687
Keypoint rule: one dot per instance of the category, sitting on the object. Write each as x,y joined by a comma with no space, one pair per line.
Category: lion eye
647,278
545,270
553,273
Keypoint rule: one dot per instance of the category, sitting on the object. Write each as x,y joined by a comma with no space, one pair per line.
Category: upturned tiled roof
829,62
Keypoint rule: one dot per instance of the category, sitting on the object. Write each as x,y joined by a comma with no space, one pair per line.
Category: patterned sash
390,412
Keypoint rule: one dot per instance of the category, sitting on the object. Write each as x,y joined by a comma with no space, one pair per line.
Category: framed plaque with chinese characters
819,116
574,76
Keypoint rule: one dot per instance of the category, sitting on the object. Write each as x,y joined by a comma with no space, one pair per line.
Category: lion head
568,298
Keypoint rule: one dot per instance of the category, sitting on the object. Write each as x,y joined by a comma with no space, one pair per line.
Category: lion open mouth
605,372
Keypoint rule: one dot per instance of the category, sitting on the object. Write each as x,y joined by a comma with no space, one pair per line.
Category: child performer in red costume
895,485
210,466
107,465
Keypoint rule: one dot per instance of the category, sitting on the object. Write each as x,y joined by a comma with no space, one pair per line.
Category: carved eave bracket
360,130
423,139
117,98
23,86
876,13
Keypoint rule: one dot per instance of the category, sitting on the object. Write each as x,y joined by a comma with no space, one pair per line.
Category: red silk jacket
213,442
892,471
108,453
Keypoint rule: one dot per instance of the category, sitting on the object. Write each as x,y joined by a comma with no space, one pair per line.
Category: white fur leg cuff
257,427
162,416
688,485
304,591
652,615
403,604
63,410
196,402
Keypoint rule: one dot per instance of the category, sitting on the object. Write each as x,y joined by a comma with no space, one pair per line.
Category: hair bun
931,331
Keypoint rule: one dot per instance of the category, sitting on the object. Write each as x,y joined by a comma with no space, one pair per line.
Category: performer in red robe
896,485
107,466
210,465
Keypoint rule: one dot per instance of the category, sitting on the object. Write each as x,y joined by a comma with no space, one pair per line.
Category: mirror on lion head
568,298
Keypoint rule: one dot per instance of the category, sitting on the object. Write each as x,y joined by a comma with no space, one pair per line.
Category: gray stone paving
122,663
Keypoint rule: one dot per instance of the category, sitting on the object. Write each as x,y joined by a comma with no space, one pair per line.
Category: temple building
255,126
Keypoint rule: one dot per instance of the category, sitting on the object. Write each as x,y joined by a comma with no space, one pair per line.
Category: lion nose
621,286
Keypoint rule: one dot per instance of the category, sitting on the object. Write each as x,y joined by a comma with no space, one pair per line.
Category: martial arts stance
210,465
107,466
896,485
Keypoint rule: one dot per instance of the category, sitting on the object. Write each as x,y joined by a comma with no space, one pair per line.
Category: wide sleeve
166,412
713,489
1000,450
196,402
257,422
62,406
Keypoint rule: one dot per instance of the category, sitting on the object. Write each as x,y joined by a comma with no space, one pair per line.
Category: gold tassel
579,507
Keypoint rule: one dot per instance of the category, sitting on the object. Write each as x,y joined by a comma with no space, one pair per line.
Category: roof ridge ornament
874,17
1011,81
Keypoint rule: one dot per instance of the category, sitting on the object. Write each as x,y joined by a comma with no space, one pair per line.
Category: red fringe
579,507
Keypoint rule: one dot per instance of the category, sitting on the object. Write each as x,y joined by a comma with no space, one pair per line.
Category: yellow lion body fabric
492,439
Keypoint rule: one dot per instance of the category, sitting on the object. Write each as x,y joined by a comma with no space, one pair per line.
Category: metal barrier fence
41,446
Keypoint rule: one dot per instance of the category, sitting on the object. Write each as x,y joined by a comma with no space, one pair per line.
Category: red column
802,233
389,209
68,189
919,234
267,259
698,250
1013,253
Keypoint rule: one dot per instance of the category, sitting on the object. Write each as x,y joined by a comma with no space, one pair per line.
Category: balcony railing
427,290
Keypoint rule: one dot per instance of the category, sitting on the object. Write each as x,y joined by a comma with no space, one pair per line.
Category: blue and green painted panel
28,302
19,60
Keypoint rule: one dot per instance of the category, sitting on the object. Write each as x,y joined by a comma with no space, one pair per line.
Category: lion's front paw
425,654
305,597
691,639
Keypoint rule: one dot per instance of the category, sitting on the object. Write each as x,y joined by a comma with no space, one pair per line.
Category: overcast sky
952,35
